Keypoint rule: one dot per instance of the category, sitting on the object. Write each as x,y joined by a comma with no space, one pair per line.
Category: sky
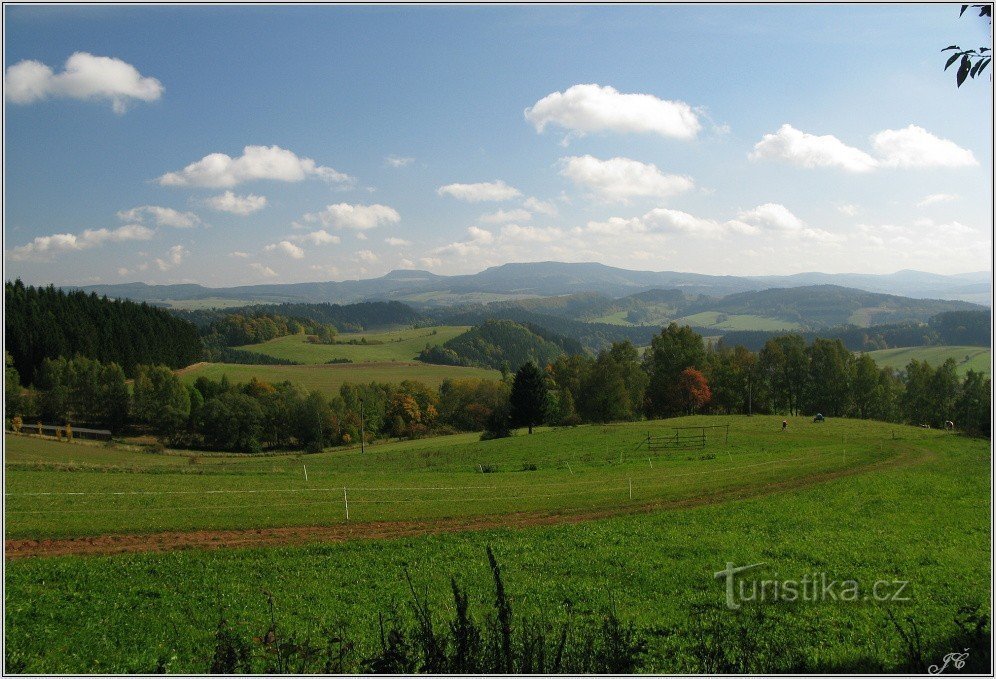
232,145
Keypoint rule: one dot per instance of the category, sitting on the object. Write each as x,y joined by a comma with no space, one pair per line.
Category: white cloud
910,147
664,221
530,234
935,198
263,270
45,246
397,161
162,216
86,77
359,217
779,219
239,254
174,258
619,179
320,237
479,235
361,236
483,191
430,262
592,108
807,150
848,209
916,147
218,170
539,206
287,248
502,216
366,256
235,204
397,242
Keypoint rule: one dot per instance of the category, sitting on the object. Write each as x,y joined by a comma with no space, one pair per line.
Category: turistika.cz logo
811,588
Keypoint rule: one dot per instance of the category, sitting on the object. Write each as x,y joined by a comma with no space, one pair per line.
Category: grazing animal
785,425
818,418
948,424
924,426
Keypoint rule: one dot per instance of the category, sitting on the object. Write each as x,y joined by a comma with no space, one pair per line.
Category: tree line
677,374
680,374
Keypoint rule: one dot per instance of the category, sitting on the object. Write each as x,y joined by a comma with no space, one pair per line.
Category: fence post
345,501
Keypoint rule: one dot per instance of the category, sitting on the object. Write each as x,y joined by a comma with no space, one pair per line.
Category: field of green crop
913,507
396,345
968,358
329,378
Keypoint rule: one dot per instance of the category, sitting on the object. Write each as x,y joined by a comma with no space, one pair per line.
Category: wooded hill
501,345
345,317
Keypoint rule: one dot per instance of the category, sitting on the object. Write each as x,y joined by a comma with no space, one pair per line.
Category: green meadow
395,345
329,378
967,358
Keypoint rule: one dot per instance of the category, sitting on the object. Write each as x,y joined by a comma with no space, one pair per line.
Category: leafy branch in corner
973,62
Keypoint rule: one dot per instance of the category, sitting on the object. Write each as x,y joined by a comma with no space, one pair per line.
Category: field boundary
302,535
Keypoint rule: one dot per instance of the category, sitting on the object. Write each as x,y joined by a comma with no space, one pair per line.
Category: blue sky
356,140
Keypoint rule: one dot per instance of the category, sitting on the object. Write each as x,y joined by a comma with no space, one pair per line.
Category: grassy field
329,378
913,507
713,319
570,470
968,358
396,345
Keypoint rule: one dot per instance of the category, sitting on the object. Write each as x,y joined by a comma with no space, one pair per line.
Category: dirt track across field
302,535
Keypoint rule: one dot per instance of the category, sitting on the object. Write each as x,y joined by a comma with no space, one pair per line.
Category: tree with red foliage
694,389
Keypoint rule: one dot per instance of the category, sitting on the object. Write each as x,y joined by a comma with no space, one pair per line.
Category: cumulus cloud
848,209
774,217
619,179
366,256
808,150
218,170
530,234
397,242
286,247
540,207
397,161
43,247
502,216
320,237
235,204
85,77
483,191
263,270
664,221
910,147
239,254
581,109
914,146
358,217
479,235
173,259
935,198
160,216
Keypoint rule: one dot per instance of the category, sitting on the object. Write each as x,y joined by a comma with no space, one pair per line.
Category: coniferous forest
47,322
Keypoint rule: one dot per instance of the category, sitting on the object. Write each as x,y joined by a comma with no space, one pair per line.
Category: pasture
329,378
967,358
391,346
855,500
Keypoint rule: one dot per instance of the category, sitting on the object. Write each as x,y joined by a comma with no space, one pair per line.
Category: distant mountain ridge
543,279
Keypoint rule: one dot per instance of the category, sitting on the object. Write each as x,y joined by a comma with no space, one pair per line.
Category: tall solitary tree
528,398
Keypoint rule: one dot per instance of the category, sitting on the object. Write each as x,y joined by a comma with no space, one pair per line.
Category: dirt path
377,530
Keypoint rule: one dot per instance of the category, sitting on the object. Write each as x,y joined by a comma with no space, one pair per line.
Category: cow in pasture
948,424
